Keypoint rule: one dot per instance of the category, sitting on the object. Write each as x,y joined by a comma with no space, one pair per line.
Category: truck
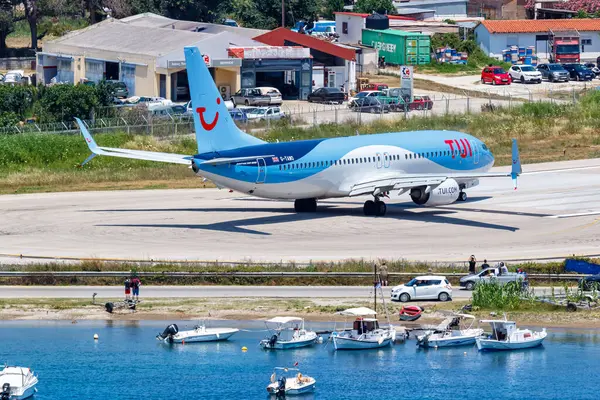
564,46
497,274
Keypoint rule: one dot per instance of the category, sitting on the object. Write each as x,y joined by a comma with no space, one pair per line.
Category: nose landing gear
305,205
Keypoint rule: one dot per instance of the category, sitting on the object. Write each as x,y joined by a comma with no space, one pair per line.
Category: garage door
65,70
94,70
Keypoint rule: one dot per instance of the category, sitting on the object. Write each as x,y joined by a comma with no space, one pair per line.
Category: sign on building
406,83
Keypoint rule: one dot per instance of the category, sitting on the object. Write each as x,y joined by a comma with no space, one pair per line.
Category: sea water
127,362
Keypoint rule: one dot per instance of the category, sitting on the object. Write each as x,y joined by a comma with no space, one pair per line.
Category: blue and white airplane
435,167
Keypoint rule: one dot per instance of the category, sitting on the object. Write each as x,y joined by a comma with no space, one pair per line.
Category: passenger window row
363,160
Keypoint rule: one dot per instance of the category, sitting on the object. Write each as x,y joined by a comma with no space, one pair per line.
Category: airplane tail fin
516,163
215,129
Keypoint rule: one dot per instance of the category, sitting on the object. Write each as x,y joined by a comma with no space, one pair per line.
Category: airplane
434,167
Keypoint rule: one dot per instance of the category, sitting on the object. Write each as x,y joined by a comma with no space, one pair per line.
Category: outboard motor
168,333
280,394
5,395
273,340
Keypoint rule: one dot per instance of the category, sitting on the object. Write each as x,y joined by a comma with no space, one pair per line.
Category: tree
7,21
65,102
332,6
380,6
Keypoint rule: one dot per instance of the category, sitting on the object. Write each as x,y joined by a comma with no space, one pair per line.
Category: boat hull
495,345
468,338
282,345
294,389
209,335
341,343
27,393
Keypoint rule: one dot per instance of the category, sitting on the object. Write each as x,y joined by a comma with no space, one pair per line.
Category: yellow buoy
95,336
244,348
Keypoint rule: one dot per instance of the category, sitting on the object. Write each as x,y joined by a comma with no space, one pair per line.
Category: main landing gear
305,205
375,208
462,196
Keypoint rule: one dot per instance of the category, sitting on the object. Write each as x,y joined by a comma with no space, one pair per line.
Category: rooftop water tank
377,21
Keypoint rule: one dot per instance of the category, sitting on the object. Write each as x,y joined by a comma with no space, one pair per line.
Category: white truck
493,274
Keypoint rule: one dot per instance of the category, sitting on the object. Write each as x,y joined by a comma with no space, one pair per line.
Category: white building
495,36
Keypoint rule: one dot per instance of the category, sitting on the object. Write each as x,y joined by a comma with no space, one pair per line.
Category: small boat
289,382
288,333
17,383
506,336
200,333
453,331
365,333
410,313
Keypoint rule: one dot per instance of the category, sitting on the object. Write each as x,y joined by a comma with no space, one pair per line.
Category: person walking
472,263
136,283
383,274
127,288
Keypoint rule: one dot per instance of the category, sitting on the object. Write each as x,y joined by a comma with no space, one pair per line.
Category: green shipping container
399,47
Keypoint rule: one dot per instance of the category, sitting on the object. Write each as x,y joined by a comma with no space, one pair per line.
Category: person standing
472,263
383,274
127,288
136,283
485,265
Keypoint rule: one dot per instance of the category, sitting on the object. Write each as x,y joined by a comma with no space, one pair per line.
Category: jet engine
445,193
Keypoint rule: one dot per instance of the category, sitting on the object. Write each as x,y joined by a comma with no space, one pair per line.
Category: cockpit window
484,147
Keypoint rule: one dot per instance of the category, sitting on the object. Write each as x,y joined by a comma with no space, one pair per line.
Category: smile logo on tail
208,126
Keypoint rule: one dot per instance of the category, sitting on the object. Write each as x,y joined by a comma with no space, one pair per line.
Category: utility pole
283,13
375,287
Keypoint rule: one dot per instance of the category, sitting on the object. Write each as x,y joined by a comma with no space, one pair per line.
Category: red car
495,76
421,103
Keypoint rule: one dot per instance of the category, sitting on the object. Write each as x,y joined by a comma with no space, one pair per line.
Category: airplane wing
126,153
407,181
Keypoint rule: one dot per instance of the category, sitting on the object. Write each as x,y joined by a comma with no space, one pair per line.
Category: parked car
493,274
590,283
230,22
326,95
366,93
237,114
553,72
423,288
164,111
120,89
264,113
250,97
592,67
495,75
578,72
421,103
273,93
190,110
369,104
376,86
524,73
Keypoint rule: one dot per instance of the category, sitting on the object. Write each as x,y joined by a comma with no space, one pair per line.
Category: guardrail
286,274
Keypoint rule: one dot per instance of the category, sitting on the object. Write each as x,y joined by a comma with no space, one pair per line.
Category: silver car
553,72
250,97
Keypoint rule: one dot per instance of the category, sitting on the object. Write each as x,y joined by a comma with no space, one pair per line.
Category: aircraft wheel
462,196
369,208
380,209
305,205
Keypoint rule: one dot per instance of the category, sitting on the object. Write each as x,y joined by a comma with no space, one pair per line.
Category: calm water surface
129,363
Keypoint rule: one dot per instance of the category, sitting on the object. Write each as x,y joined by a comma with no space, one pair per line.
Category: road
550,215
57,292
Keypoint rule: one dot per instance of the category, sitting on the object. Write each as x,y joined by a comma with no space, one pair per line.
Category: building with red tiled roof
493,36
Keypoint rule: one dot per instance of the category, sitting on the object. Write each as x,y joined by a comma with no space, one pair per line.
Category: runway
550,215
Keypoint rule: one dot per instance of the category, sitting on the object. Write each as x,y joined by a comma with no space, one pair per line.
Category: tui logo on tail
208,126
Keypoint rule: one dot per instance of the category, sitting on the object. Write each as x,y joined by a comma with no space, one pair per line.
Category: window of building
345,28
587,42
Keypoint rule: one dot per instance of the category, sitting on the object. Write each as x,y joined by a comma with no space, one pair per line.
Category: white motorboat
506,336
200,333
453,331
289,382
288,333
17,383
365,333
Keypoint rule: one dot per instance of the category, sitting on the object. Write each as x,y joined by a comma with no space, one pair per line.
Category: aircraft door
262,170
386,160
379,162
475,152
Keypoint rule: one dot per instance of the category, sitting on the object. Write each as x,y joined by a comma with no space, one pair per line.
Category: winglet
89,140
516,163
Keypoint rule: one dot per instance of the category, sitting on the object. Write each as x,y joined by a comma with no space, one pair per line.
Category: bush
491,295
16,99
65,102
